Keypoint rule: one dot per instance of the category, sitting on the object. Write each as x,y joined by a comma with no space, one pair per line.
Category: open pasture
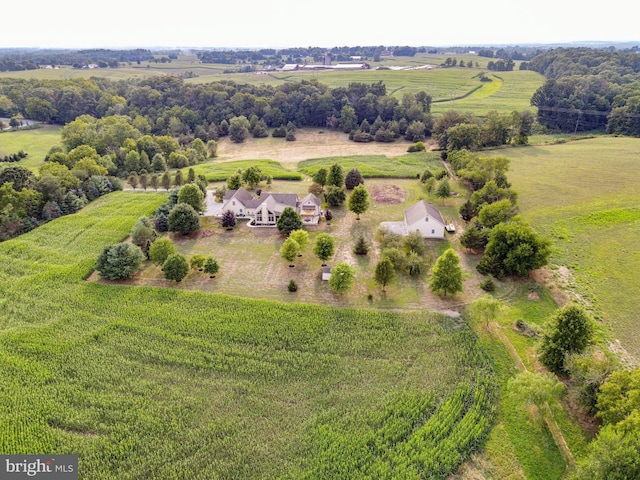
250,256
585,195
144,381
378,166
508,92
218,171
36,142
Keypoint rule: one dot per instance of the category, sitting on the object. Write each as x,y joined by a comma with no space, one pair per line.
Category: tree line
168,106
12,60
588,89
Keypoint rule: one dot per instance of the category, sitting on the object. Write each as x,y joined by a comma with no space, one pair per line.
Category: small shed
326,273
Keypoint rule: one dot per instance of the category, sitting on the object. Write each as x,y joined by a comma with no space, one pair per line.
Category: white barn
424,218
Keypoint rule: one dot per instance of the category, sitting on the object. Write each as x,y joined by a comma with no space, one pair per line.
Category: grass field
217,171
514,94
173,384
378,166
585,195
35,142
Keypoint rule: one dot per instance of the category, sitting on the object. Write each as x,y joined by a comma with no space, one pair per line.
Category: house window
433,231
240,210
233,203
426,219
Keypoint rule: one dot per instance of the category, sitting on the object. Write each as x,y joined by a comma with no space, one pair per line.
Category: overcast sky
329,23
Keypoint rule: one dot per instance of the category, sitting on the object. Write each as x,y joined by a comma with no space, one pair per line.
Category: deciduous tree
342,277
289,250
320,177
211,266
359,200
175,267
335,196
444,189
324,247
119,261
447,275
289,221
514,249
385,272
183,219
569,330
191,195
160,250
300,236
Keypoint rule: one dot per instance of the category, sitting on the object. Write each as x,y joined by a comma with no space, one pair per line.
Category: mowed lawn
586,196
35,142
251,264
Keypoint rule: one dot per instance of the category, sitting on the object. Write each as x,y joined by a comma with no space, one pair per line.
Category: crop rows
150,382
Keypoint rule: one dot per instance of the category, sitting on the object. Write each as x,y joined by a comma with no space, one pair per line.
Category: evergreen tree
228,219
353,179
362,246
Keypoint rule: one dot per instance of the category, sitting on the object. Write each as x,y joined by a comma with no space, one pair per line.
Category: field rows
168,383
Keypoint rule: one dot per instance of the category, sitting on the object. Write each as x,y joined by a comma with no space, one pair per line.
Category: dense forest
169,106
588,89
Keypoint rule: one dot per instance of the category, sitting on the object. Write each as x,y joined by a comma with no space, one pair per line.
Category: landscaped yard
251,264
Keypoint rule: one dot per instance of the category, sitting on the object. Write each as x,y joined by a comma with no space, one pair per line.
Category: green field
510,91
217,171
154,382
36,142
586,195
378,166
